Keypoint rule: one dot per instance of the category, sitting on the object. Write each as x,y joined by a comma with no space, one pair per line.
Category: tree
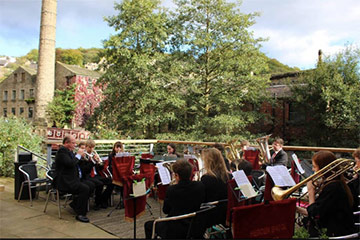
69,56
61,109
13,132
137,71
187,73
330,96
222,66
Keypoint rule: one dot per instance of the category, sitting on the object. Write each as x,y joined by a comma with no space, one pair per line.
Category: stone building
18,96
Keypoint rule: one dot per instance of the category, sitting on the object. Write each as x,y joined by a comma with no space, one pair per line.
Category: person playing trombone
332,209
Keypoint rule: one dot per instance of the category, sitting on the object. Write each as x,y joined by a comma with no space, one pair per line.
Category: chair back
29,170
253,157
258,177
198,223
273,220
195,165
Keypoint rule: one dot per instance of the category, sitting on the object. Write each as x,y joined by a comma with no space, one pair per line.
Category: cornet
93,156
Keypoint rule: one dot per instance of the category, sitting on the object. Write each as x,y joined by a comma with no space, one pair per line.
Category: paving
20,220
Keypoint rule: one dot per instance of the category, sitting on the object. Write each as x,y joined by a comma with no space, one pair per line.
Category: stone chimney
45,81
319,56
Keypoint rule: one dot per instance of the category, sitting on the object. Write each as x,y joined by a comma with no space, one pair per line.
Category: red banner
59,134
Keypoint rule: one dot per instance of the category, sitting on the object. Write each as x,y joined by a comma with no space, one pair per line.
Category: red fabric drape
106,164
122,167
233,197
273,220
146,155
148,168
129,202
294,173
253,157
269,184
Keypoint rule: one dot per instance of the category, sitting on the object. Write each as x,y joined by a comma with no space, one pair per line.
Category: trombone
326,174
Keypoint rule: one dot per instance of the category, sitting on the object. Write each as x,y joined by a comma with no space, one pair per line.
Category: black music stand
134,199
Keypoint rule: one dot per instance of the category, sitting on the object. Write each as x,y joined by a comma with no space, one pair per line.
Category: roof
79,70
30,70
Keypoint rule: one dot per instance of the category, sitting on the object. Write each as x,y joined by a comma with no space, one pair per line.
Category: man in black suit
67,177
279,156
184,197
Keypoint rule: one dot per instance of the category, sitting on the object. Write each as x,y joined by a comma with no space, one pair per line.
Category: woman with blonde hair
215,181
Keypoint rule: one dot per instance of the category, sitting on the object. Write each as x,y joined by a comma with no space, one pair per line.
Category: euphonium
264,149
231,152
326,174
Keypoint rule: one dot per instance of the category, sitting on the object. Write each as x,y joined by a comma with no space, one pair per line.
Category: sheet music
164,174
123,154
244,184
151,147
105,158
297,163
190,156
280,175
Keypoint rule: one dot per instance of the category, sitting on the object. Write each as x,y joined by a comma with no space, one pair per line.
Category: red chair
273,220
253,157
122,167
195,165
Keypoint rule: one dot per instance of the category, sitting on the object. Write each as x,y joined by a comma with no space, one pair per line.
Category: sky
296,29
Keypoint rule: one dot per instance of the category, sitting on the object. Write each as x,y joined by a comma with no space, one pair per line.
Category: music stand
134,199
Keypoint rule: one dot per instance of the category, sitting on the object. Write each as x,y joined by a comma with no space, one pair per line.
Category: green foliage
187,72
330,96
13,132
301,233
33,55
277,67
69,56
91,55
61,109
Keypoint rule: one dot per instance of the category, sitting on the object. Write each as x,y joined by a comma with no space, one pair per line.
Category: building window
30,112
32,93
5,96
13,111
5,112
296,113
23,77
21,110
13,96
15,77
22,94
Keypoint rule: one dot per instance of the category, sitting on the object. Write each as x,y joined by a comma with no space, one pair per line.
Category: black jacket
67,173
331,210
281,158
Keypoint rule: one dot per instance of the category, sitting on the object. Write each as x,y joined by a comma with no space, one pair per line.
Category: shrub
13,132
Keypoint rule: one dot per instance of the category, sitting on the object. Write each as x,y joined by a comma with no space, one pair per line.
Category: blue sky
296,29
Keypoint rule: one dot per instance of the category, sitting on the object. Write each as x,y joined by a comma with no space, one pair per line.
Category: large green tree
222,66
330,97
188,73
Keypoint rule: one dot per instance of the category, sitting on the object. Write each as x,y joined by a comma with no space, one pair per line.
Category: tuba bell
264,149
231,151
326,174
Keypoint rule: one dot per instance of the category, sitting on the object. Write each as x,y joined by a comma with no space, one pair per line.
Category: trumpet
326,174
264,149
93,156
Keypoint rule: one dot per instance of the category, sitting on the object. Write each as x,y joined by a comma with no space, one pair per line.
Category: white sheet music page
297,163
280,175
164,174
244,184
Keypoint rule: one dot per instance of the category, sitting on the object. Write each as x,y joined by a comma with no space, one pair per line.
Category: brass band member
215,181
332,209
354,184
171,150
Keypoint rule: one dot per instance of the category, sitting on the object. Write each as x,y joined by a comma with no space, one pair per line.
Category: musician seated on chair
184,197
91,165
67,177
171,150
278,155
332,209
355,182
220,147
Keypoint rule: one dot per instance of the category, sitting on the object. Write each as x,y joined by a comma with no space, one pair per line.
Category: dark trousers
98,189
102,197
160,229
81,201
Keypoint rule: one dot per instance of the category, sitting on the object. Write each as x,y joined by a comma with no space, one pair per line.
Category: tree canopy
330,97
186,73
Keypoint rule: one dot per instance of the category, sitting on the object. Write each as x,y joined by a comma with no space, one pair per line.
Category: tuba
264,149
326,174
231,151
